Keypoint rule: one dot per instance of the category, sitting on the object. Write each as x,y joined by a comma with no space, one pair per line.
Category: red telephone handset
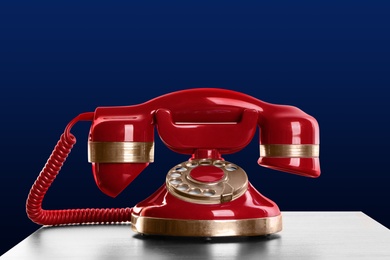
204,196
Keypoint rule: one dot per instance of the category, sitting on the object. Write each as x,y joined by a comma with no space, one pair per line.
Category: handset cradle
203,196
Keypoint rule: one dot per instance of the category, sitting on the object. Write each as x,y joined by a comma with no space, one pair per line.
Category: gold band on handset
290,150
120,152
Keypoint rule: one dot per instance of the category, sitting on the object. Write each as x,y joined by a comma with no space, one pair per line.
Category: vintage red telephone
204,196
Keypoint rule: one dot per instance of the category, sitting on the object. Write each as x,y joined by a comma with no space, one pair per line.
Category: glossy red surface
162,204
308,167
207,174
113,178
224,137
197,120
205,123
279,124
206,153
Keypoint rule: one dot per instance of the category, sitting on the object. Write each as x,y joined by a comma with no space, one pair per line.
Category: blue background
61,58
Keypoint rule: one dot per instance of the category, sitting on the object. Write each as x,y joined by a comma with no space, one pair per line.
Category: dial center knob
207,174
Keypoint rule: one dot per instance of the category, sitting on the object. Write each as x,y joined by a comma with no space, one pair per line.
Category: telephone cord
46,178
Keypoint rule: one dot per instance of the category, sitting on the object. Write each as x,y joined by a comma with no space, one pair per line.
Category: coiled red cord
46,178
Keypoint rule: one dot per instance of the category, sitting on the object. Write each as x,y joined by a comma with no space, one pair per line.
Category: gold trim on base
206,228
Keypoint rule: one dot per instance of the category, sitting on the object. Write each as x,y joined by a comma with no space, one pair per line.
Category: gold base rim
206,228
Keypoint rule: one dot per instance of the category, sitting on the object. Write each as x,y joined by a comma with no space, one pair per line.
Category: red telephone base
251,214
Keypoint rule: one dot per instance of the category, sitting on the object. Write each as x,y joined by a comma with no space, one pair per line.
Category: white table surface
305,235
